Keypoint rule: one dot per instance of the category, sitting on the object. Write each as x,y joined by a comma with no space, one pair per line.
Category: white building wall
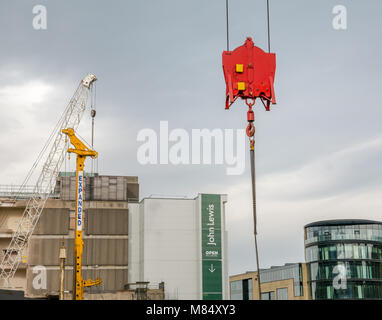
169,246
134,257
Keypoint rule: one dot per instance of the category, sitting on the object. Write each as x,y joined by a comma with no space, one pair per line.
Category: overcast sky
318,152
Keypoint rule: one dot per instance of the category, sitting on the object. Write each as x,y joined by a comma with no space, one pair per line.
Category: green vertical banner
212,275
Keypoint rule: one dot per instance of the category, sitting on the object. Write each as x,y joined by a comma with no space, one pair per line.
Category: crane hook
250,130
251,118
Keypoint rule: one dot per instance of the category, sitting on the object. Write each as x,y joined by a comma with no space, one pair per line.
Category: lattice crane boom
45,182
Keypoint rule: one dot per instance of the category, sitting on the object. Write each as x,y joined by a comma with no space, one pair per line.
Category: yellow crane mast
82,151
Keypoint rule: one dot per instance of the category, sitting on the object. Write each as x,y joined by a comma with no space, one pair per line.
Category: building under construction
156,248
70,228
105,234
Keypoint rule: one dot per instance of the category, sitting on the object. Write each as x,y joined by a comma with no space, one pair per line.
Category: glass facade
241,289
344,259
338,251
353,290
282,294
370,232
268,295
353,270
293,271
236,289
250,289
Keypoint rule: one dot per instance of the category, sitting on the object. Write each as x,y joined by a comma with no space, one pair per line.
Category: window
311,254
348,251
355,251
376,253
241,289
340,251
333,252
282,294
329,292
324,253
236,290
359,294
245,289
357,290
363,251
250,289
268,295
313,271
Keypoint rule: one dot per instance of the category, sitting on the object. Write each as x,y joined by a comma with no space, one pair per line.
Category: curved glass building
344,259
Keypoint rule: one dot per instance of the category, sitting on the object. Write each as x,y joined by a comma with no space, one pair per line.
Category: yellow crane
82,151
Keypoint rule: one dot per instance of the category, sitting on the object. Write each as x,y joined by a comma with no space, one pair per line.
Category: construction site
87,236
72,231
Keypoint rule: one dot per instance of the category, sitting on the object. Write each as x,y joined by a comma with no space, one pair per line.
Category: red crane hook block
249,73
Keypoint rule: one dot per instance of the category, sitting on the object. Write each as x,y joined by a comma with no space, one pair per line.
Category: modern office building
181,242
344,259
288,282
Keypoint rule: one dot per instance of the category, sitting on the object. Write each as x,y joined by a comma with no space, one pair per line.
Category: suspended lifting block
249,73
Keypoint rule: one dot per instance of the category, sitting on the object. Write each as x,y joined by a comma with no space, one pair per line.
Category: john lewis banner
212,275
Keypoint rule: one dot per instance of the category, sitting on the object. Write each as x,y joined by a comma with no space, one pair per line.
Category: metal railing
16,192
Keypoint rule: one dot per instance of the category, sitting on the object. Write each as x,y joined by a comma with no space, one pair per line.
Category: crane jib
80,200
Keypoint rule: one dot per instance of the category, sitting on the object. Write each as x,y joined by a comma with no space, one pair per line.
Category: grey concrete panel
113,279
45,252
107,252
53,222
106,222
106,188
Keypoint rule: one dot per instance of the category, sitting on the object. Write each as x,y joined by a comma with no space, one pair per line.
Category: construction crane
82,151
46,180
249,74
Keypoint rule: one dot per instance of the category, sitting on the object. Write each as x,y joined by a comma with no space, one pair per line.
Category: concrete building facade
182,242
105,236
176,247
288,282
